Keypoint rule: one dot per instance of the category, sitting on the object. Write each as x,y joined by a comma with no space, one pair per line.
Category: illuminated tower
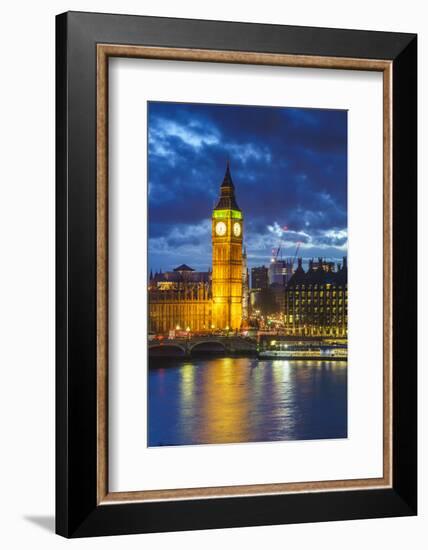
227,225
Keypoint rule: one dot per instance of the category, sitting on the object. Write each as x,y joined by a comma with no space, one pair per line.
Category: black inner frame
77,513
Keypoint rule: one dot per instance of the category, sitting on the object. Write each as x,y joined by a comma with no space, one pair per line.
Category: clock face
220,229
236,229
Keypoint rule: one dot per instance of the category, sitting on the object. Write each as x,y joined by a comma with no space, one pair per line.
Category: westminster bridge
237,345
186,347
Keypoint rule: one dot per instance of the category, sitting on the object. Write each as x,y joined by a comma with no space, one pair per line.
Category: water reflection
224,400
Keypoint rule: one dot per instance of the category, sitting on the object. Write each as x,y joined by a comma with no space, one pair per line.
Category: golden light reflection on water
187,396
225,400
281,371
222,402
232,401
187,381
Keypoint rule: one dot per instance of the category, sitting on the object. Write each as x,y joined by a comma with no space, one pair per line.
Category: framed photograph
236,274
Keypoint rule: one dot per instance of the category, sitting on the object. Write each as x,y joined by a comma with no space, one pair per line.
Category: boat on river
307,353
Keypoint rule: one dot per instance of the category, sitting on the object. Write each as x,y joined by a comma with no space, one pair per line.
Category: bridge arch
208,346
167,350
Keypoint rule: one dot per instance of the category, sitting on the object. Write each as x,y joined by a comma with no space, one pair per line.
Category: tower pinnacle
227,180
227,199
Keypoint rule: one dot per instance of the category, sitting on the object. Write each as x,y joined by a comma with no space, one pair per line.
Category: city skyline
289,168
228,185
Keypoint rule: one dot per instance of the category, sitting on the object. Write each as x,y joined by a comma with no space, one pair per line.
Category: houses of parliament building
214,300
313,303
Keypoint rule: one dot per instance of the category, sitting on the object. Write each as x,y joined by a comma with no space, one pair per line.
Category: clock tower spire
227,226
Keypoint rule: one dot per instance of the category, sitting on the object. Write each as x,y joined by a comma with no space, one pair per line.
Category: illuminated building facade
227,229
316,301
185,299
180,300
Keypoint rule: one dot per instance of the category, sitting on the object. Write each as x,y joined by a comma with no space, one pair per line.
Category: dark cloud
289,167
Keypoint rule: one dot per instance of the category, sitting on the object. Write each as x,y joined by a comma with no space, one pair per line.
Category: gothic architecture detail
227,230
185,299
316,301
180,300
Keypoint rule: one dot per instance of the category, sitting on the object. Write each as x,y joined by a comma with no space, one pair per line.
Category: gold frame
104,51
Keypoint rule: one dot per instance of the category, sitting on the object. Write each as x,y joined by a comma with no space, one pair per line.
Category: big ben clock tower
227,226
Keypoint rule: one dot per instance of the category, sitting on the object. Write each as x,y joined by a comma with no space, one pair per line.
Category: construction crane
277,250
275,253
295,256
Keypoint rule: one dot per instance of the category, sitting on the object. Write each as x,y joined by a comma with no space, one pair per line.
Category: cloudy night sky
289,167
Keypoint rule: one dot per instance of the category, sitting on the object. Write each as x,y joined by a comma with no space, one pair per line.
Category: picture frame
84,44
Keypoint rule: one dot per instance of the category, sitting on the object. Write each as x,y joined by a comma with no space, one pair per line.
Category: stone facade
185,299
316,301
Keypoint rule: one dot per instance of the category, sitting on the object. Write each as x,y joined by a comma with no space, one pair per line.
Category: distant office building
262,301
277,292
316,301
280,271
259,277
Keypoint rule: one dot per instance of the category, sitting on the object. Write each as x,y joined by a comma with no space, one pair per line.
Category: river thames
236,400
